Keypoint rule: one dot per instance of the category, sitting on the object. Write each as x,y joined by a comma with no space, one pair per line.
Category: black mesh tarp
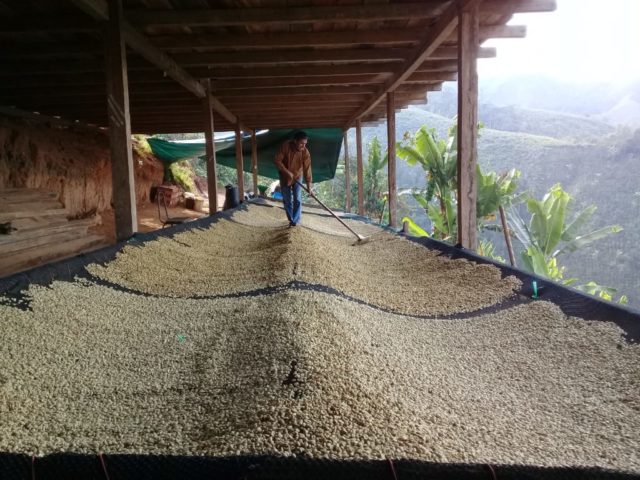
68,466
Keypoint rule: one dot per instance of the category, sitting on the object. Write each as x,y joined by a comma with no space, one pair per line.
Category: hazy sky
582,39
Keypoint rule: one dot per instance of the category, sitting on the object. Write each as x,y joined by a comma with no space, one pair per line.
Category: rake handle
327,209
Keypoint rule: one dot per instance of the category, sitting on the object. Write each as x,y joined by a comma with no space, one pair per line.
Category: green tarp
324,145
170,152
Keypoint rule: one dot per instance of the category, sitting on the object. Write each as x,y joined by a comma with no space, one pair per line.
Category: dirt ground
148,219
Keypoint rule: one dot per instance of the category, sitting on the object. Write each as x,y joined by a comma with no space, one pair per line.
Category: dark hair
300,135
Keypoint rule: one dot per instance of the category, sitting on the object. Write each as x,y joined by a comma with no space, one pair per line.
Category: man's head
300,138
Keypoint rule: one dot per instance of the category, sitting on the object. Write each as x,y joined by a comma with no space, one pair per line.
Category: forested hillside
597,163
617,104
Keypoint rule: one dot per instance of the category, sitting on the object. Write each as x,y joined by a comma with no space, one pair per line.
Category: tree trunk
507,236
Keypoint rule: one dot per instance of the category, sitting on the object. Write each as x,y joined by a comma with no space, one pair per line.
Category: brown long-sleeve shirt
297,162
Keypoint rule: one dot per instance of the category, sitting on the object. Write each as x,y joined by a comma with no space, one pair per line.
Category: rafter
278,91
299,101
97,9
267,71
445,25
316,39
451,53
251,84
294,56
286,15
498,7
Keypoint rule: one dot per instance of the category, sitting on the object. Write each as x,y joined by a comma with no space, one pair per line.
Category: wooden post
347,176
209,132
467,123
360,167
391,165
122,177
239,163
254,162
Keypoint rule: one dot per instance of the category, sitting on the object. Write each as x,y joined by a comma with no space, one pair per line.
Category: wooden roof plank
499,7
434,36
97,9
317,39
299,57
295,91
285,15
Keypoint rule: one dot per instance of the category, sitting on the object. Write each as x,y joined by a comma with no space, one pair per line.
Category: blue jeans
292,199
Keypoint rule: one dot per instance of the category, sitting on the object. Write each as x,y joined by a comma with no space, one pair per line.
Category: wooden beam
409,88
239,163
122,176
391,164
467,123
80,80
429,43
75,23
299,57
42,118
377,36
292,81
285,15
254,162
300,100
146,71
67,65
300,70
97,99
279,108
156,89
323,56
431,77
97,10
46,51
59,23
18,68
438,66
498,7
286,39
209,134
347,177
495,31
263,120
298,124
253,112
451,53
145,49
360,168
294,91
335,80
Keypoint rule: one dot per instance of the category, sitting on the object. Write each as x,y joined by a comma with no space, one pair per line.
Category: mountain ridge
595,162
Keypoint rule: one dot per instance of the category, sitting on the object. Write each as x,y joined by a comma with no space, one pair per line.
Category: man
293,160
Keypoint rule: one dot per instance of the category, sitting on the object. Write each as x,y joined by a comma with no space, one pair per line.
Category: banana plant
549,235
486,249
438,159
606,293
495,192
374,179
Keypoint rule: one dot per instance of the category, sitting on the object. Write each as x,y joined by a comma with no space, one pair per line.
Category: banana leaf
415,230
585,240
555,222
583,217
